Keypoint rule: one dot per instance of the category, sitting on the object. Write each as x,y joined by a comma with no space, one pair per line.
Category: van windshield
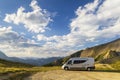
69,62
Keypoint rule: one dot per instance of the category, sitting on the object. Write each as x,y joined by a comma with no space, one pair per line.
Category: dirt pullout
75,75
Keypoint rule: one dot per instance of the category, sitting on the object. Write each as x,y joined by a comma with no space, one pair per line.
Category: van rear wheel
88,69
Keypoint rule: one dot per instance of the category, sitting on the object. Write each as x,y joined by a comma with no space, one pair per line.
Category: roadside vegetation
116,65
17,71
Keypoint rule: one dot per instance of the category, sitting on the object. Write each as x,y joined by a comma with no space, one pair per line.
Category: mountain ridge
104,53
31,61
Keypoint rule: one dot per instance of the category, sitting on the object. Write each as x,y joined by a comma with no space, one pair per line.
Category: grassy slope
9,70
116,65
108,53
17,71
103,53
6,63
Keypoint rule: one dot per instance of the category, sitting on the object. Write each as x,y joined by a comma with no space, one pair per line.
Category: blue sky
44,28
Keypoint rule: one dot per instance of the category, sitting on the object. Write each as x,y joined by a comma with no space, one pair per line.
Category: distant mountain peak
2,55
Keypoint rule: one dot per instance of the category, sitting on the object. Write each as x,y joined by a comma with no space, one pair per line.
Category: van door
69,64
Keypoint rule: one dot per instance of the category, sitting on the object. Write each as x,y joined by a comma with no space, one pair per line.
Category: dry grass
14,73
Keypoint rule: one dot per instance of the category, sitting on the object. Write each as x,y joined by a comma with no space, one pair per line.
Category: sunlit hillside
108,53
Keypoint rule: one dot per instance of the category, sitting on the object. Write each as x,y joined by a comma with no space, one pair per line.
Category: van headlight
63,66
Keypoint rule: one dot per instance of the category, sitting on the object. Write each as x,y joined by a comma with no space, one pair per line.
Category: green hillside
104,53
18,71
108,53
13,70
5,63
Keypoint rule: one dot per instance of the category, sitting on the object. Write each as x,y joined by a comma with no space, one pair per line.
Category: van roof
81,58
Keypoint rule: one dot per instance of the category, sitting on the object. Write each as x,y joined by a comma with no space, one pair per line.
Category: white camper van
79,63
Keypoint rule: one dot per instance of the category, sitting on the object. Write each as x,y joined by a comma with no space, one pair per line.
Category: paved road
75,75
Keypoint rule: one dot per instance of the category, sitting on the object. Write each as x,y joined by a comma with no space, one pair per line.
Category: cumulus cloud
14,44
35,21
93,22
7,35
98,23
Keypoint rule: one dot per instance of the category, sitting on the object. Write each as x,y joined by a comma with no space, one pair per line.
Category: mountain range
32,61
105,53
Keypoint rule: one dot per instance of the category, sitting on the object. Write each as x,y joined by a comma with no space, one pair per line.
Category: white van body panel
76,63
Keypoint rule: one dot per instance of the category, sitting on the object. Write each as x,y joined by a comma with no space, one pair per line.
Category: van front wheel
66,68
89,69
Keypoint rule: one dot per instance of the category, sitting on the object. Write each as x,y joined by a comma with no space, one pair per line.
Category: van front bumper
63,66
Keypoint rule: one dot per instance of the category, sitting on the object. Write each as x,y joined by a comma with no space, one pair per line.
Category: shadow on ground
117,71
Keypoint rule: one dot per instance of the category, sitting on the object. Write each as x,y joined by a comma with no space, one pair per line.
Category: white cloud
41,37
35,21
7,35
93,22
5,29
89,21
14,44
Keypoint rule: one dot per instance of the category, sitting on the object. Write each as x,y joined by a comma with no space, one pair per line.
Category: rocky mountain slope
105,53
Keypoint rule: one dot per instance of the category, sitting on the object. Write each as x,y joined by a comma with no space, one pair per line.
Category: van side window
69,62
79,61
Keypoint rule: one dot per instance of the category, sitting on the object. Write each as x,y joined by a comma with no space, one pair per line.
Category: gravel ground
75,75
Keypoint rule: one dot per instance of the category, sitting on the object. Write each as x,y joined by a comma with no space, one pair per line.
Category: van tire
66,68
88,69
